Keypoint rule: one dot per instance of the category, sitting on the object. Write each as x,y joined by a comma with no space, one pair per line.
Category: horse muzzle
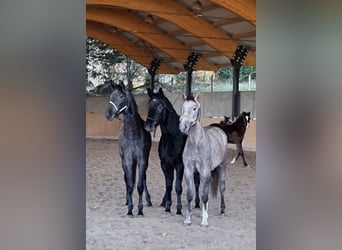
184,127
111,115
149,125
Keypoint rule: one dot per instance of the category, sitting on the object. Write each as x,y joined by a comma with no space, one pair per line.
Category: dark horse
236,132
171,146
135,143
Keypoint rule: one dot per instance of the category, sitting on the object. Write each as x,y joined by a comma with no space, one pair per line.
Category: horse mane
190,98
133,108
168,104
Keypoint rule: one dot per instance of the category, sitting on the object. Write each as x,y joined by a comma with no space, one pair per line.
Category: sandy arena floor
109,228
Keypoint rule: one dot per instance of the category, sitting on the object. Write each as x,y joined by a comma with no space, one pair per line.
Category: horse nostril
148,126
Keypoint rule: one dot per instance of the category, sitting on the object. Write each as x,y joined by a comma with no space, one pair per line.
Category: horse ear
122,84
111,84
196,98
149,92
161,91
184,96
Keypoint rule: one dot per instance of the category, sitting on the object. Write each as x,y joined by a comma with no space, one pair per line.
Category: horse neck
241,121
170,123
196,134
132,120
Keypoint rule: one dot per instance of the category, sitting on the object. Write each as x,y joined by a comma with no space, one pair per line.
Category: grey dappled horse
205,151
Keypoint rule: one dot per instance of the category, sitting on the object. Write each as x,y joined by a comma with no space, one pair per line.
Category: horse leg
147,194
242,155
222,185
125,178
169,181
205,178
140,187
162,204
130,181
188,172
179,190
238,144
197,184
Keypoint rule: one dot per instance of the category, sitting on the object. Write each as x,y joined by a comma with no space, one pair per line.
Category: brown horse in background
235,132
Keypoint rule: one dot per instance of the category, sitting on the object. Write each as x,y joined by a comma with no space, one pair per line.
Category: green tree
133,71
245,71
101,59
224,74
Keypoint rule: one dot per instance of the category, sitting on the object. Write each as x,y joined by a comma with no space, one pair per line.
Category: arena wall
213,106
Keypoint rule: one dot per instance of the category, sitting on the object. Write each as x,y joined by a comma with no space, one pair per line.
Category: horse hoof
140,215
149,204
162,204
197,206
179,213
129,215
186,223
204,225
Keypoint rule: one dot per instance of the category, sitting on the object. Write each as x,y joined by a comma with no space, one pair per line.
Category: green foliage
180,78
101,59
133,71
224,74
245,71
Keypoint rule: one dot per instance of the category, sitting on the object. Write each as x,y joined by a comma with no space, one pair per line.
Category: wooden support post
189,66
237,61
154,67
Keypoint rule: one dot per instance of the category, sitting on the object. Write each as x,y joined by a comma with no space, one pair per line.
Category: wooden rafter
127,21
227,21
243,8
244,35
124,46
184,18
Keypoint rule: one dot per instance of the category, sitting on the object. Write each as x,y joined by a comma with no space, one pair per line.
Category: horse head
191,113
247,118
156,110
158,105
118,101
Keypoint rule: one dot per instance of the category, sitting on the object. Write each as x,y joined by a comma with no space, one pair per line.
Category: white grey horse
205,152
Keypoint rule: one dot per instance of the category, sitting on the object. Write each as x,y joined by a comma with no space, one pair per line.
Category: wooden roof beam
227,21
184,18
125,47
244,35
129,22
243,8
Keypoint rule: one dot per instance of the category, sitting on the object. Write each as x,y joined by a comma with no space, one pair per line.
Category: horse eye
121,96
194,108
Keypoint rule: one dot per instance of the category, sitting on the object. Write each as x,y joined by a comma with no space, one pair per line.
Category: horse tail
214,182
